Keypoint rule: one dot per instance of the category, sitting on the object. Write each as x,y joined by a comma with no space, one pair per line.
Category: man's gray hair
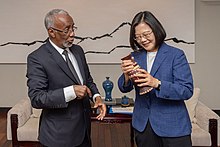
49,18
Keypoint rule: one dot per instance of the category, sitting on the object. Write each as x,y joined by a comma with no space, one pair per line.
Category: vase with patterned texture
145,89
108,86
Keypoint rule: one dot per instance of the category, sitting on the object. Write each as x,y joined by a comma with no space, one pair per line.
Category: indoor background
202,16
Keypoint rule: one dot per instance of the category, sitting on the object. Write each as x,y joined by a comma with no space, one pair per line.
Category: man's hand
82,91
101,106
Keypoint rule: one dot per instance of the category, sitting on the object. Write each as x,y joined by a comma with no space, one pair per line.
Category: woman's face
145,37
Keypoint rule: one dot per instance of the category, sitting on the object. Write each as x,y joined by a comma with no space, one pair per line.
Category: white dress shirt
150,60
69,91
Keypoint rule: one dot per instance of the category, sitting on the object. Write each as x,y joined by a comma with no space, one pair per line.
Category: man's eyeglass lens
66,31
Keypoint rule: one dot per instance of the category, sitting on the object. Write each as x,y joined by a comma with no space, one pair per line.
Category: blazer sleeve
121,84
37,83
180,86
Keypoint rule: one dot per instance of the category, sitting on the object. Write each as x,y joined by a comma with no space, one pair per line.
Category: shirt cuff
94,96
69,93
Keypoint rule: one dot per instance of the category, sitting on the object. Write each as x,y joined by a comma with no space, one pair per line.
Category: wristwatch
159,84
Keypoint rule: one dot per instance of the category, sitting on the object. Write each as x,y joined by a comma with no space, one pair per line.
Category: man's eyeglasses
65,31
145,35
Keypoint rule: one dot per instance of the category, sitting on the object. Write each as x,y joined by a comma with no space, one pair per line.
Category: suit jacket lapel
79,62
161,55
55,55
141,58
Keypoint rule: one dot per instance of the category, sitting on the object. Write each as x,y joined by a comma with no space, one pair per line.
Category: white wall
206,70
12,84
22,21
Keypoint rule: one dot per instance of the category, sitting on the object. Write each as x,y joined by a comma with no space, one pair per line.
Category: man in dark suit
61,92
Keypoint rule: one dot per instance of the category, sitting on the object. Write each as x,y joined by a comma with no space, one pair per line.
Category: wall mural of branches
102,32
108,35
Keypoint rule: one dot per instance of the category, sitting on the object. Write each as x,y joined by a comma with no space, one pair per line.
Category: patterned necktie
70,65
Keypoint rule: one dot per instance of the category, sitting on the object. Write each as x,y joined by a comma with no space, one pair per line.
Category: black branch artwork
27,44
82,39
102,36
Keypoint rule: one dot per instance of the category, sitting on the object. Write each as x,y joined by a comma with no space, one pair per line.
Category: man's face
62,33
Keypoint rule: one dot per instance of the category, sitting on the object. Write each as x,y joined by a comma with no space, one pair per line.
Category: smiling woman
94,20
165,70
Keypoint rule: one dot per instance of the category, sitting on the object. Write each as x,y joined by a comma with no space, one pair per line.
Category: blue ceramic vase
108,86
125,101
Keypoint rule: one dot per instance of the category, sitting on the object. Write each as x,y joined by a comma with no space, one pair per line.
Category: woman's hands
140,76
143,78
127,66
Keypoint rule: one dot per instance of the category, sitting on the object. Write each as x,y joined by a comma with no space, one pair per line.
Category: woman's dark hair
148,18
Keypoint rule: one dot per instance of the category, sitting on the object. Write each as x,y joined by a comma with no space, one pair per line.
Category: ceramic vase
125,101
108,86
145,89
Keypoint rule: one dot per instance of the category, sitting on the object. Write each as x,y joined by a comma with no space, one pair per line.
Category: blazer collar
161,55
79,61
141,58
56,56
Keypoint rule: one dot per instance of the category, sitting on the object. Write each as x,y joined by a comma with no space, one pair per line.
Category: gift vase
108,86
145,89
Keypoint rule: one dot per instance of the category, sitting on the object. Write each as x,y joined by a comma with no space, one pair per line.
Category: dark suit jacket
164,108
61,124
